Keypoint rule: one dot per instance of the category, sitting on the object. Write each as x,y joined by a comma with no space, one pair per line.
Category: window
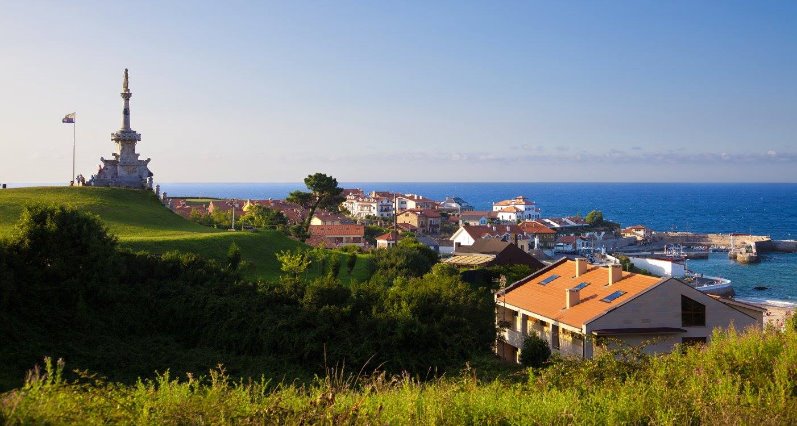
693,313
580,286
549,279
610,298
555,336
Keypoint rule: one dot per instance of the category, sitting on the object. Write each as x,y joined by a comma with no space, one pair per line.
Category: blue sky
406,91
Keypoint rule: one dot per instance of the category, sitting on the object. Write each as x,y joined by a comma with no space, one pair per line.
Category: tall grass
741,378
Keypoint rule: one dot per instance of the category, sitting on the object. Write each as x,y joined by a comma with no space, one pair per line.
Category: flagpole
73,153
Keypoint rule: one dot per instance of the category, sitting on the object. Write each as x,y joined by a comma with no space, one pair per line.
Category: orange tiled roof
520,200
532,227
549,300
386,237
479,231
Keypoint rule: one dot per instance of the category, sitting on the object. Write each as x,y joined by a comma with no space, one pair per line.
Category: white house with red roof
518,208
467,235
414,202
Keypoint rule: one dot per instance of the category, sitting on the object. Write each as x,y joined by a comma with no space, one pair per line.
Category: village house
580,309
489,252
414,202
424,220
454,205
543,236
226,206
564,224
293,212
477,217
572,244
387,240
467,235
639,232
518,208
376,204
324,217
332,236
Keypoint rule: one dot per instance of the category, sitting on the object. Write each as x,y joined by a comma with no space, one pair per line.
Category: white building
518,208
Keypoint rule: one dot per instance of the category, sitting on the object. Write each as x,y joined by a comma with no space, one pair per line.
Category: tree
264,217
594,217
294,264
535,351
233,257
408,258
324,193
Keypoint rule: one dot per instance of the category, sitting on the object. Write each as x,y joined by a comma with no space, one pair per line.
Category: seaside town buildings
125,169
580,309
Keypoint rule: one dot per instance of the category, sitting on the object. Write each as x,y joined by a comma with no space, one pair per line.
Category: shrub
535,352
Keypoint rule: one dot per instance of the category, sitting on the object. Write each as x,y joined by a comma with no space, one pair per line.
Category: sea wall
788,246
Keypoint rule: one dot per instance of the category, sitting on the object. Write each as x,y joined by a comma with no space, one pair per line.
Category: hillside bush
535,351
128,314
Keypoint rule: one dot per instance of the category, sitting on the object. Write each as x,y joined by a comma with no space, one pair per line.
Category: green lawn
140,222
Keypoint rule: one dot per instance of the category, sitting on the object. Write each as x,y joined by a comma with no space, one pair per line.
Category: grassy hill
140,222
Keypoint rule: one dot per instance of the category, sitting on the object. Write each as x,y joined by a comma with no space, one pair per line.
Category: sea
754,208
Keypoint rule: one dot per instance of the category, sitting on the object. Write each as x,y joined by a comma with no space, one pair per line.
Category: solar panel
610,298
581,286
549,279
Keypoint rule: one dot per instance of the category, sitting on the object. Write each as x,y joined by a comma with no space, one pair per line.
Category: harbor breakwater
776,246
761,243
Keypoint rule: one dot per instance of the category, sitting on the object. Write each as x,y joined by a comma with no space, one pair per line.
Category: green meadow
142,223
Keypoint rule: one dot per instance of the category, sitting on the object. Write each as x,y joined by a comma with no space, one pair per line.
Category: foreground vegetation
67,290
738,379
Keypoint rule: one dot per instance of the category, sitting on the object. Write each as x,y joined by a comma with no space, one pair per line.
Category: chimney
572,297
581,266
615,273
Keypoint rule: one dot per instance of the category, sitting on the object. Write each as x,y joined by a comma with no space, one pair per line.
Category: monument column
126,111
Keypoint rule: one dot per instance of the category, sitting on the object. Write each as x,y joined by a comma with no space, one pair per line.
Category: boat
717,286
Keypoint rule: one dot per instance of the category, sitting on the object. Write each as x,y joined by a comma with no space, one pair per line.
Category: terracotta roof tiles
549,300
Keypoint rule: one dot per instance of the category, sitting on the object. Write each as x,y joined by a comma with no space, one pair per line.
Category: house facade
467,235
572,244
477,218
414,202
639,232
336,235
580,309
542,236
424,220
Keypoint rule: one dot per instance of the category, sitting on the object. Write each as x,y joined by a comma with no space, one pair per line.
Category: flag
69,118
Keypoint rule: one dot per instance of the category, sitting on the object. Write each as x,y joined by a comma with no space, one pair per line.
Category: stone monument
125,169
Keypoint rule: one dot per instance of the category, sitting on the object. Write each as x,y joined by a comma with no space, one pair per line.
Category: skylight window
581,286
549,279
610,298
